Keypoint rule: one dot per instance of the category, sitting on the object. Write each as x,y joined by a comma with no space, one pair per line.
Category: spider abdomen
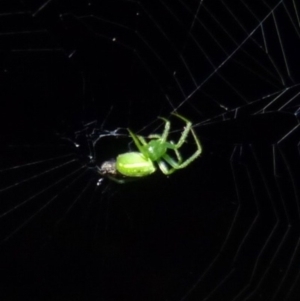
134,164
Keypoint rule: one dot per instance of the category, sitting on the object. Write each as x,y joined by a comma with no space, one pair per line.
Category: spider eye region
134,164
156,149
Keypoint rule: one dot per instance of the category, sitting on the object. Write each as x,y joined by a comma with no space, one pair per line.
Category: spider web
75,75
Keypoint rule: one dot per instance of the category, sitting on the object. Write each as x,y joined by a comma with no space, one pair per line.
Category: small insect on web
142,163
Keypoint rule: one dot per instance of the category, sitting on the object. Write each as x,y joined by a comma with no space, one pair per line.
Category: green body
134,164
153,151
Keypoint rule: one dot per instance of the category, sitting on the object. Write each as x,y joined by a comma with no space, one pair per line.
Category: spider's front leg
171,145
137,141
180,165
165,134
164,167
185,132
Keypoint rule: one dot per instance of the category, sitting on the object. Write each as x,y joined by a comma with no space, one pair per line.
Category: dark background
226,227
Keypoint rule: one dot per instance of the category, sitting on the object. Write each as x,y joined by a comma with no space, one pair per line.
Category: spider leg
142,140
137,141
176,165
154,136
178,155
121,181
166,131
185,132
179,165
163,166
190,159
188,128
194,156
172,146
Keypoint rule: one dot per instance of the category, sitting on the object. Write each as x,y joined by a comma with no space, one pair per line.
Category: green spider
142,163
